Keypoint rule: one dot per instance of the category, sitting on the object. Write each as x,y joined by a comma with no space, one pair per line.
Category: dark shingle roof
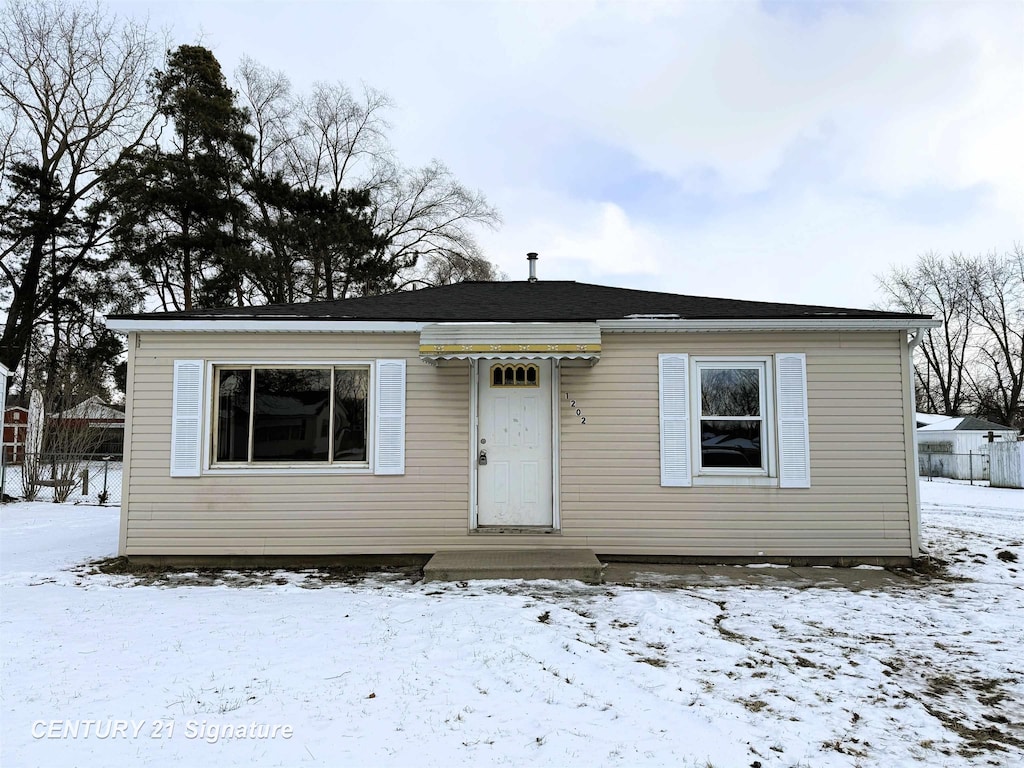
542,301
974,424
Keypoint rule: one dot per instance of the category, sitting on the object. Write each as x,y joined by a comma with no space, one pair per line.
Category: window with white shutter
389,442
344,417
791,402
674,410
187,418
734,420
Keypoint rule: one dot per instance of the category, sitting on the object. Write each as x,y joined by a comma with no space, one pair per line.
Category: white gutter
638,325
829,323
215,325
915,506
919,335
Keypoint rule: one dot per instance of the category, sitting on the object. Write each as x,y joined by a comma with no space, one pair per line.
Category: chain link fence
71,478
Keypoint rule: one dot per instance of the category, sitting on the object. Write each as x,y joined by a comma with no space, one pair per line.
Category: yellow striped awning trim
448,349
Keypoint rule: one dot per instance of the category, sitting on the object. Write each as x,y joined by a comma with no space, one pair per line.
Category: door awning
497,341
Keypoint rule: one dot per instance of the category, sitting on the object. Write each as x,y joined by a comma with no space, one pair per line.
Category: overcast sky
762,150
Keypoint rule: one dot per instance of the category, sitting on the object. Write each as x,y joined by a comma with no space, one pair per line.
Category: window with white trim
281,418
732,431
309,415
734,420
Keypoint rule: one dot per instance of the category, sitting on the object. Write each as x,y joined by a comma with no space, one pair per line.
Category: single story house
957,447
521,415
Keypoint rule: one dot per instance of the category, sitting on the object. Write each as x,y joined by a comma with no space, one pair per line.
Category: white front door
514,443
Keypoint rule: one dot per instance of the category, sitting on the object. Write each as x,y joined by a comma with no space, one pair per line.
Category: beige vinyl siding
257,514
611,499
857,503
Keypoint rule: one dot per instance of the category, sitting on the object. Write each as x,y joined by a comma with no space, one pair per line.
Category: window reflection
233,414
289,408
730,443
730,392
731,421
350,405
295,416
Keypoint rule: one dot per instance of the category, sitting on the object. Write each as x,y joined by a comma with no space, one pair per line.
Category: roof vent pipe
532,258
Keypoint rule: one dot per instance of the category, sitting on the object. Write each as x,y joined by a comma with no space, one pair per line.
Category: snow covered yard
390,672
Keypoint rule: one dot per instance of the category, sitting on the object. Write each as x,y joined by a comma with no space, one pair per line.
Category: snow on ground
965,525
391,672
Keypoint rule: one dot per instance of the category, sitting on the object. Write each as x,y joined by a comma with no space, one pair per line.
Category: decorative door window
515,375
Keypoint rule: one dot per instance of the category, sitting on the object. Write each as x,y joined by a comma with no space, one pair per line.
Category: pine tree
317,244
179,220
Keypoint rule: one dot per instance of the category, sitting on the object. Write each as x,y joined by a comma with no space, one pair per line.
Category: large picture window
732,423
285,415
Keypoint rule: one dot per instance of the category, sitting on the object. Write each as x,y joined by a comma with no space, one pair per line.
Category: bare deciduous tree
996,295
72,100
334,140
426,215
268,97
974,362
930,287
343,138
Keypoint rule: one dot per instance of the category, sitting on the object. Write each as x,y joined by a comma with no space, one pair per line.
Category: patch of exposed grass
146,574
653,661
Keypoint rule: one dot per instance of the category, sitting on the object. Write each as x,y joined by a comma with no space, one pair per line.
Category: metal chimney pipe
532,258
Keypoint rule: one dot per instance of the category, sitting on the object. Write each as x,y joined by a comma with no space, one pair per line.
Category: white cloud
609,244
921,93
803,131
809,248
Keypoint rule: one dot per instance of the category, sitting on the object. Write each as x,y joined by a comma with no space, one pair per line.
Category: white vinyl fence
1007,465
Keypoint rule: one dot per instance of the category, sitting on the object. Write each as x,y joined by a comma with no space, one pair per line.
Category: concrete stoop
463,565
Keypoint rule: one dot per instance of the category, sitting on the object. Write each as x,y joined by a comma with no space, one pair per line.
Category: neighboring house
15,431
924,419
521,415
957,447
94,414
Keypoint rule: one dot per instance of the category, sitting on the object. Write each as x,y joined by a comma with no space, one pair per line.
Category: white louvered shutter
674,411
791,402
187,418
389,438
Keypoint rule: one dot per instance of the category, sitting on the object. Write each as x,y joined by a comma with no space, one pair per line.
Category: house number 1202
579,411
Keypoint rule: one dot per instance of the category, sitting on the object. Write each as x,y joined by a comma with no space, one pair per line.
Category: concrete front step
463,565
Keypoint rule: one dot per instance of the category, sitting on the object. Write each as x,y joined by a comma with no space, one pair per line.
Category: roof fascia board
508,323
208,325
645,325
